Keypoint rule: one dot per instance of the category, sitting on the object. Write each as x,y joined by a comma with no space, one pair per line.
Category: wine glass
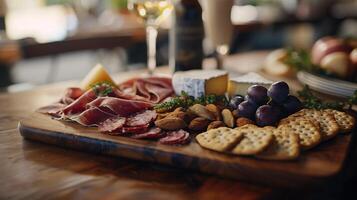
153,12
218,26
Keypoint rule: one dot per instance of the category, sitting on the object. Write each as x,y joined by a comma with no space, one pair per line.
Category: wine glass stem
221,52
151,35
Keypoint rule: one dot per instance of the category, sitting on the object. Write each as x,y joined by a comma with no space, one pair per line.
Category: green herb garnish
185,101
299,59
311,101
103,88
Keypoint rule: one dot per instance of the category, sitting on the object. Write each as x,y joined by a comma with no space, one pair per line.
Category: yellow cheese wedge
96,75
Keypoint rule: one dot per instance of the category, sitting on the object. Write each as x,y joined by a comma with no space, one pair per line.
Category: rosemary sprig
299,59
103,88
185,101
311,101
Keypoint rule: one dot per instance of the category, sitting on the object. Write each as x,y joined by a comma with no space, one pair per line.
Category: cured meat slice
158,93
141,89
79,105
113,124
151,89
142,118
175,137
135,129
53,109
71,95
121,107
130,96
91,117
161,81
153,133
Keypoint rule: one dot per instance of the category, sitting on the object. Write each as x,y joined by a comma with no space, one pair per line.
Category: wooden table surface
31,170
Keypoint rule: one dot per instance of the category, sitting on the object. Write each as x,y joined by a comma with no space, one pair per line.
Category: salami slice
114,124
135,129
175,137
153,133
142,118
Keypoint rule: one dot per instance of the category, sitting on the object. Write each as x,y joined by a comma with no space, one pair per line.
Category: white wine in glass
153,12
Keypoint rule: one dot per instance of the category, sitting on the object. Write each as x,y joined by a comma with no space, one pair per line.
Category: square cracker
324,120
255,140
345,121
285,146
309,135
219,139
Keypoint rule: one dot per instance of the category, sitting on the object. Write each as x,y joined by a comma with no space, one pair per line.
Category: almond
179,114
198,124
241,121
215,110
215,124
162,115
202,111
228,118
171,123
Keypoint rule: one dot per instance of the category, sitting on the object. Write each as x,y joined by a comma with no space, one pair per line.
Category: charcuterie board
325,162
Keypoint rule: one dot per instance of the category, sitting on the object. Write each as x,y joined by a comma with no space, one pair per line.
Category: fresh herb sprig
185,101
103,88
311,101
299,59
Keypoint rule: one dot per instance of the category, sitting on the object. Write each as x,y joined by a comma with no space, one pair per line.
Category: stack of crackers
300,131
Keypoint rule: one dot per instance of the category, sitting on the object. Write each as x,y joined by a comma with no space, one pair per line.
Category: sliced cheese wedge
96,75
239,85
200,82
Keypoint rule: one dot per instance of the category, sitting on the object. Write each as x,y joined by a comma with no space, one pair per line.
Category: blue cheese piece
198,83
239,85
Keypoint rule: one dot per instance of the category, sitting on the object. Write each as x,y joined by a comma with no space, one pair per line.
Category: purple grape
266,115
250,100
258,94
235,101
247,109
279,91
292,105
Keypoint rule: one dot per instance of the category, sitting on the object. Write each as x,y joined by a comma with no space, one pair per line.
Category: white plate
326,85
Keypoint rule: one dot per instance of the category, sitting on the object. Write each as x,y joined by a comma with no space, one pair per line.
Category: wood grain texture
312,167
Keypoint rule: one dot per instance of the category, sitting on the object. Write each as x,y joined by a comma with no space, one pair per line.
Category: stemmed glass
218,26
153,12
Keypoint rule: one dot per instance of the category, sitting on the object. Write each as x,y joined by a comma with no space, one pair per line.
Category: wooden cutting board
315,166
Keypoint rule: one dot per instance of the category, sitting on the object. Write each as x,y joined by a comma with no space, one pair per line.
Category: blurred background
46,41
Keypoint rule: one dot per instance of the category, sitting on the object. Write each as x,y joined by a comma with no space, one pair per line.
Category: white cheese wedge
200,82
96,75
239,85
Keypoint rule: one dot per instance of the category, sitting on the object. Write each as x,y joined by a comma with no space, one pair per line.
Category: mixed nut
198,118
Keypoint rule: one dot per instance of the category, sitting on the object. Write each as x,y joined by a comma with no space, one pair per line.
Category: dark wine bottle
186,36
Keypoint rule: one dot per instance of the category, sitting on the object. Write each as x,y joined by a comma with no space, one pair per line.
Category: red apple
327,45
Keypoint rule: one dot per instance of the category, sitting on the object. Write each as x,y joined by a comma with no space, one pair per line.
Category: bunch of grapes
266,106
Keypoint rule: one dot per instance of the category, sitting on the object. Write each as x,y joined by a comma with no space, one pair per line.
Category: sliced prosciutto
151,89
119,110
91,117
142,118
114,124
121,107
53,109
71,95
79,105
